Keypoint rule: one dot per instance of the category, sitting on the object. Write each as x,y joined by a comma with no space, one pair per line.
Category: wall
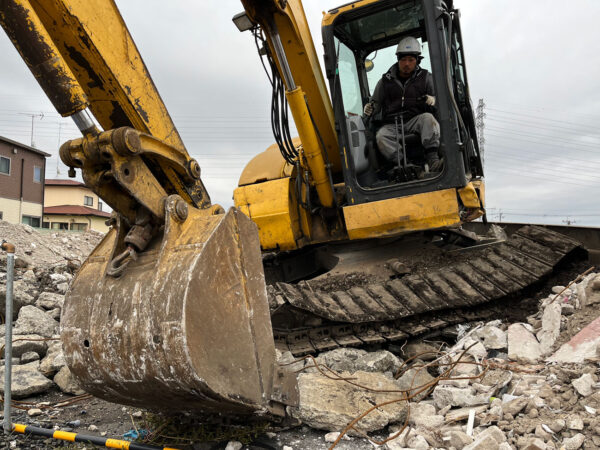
96,223
10,210
68,195
10,185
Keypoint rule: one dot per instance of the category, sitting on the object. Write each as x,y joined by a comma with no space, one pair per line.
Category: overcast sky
535,63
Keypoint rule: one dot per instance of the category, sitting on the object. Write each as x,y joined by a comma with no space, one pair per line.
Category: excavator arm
170,310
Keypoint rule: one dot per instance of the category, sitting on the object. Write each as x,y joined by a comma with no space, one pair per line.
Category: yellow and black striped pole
76,437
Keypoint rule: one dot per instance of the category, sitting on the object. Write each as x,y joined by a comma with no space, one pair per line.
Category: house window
88,201
78,226
37,174
31,221
60,225
4,165
45,224
100,205
1,215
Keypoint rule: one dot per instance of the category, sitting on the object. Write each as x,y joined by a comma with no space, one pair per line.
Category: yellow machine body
170,310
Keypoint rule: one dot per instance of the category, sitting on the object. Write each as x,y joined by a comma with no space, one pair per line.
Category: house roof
26,147
56,182
74,210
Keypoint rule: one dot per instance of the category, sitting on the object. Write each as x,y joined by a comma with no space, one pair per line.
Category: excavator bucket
186,327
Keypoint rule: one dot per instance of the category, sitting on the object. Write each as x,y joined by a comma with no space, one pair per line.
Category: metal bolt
194,169
181,210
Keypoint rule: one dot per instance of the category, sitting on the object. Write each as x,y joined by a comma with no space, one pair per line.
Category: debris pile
45,263
531,385
495,385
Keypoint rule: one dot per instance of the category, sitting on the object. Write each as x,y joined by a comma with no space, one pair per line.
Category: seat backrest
358,142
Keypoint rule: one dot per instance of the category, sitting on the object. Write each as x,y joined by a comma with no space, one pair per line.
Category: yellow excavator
171,310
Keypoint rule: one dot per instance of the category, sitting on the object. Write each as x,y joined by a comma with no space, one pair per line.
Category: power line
544,136
559,173
510,169
534,108
529,124
548,144
534,117
498,150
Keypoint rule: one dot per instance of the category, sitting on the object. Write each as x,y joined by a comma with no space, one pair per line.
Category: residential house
22,172
70,205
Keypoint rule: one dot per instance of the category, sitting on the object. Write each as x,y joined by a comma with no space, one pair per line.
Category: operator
406,89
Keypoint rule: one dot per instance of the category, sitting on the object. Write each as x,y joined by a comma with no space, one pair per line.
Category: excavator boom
170,310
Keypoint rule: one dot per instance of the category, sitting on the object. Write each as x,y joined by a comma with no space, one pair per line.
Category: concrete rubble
531,384
45,263
526,399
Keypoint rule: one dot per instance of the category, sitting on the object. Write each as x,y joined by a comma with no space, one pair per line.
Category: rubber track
402,308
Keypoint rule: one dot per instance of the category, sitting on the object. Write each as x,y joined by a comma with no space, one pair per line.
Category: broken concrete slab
584,385
50,300
33,320
21,297
424,351
485,442
581,347
27,343
458,415
27,380
535,444
550,327
28,357
574,442
449,395
341,359
493,337
424,415
515,406
592,291
379,361
54,359
575,423
328,404
414,380
522,344
67,382
495,433
457,439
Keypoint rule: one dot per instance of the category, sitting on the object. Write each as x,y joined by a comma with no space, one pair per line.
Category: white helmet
409,46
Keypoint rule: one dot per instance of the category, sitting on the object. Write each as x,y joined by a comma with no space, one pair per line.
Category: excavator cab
360,41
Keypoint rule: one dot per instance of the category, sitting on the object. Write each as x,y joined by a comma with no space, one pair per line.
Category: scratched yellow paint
274,210
469,196
401,215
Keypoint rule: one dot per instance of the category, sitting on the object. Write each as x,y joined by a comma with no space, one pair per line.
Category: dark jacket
391,96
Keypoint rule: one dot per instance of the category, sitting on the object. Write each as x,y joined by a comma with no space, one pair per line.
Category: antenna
58,154
40,115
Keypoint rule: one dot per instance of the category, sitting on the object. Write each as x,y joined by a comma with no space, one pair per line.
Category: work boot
433,161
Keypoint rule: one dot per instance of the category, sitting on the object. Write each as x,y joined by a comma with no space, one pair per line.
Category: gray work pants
425,125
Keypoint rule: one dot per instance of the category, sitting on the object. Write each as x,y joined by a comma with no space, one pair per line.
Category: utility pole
58,154
480,125
40,115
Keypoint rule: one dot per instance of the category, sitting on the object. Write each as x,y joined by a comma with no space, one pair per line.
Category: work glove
429,100
368,109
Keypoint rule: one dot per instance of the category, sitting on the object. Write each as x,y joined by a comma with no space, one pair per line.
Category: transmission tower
479,123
